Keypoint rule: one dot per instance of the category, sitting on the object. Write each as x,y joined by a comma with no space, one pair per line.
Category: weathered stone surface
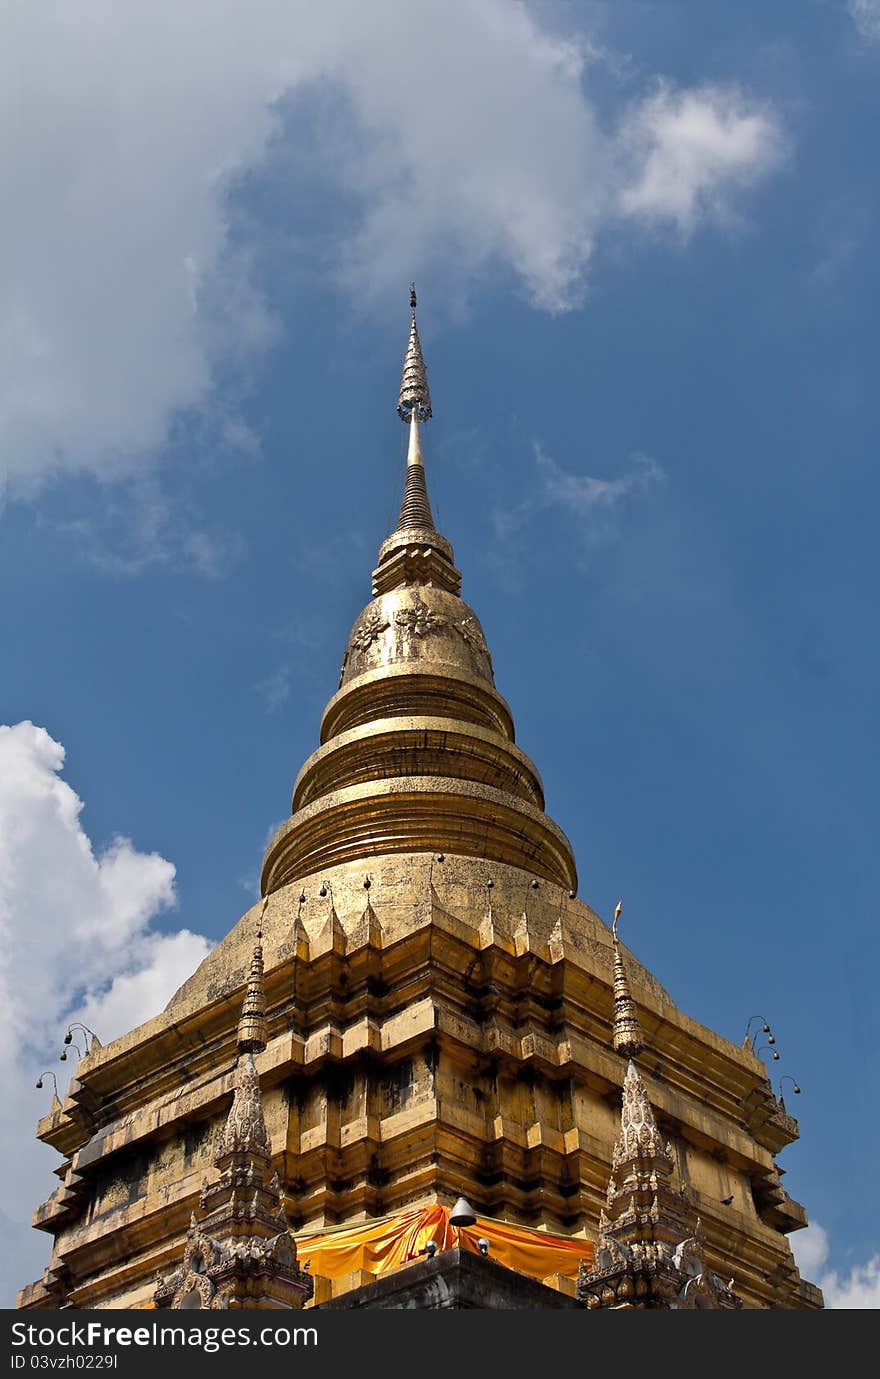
457,1280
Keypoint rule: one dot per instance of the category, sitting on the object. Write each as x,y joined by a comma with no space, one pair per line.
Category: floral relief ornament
472,634
368,630
419,619
470,631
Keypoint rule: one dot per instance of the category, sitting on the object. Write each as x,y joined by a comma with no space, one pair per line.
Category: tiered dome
417,747
432,1022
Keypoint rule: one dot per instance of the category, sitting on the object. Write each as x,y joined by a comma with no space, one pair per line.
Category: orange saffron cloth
378,1246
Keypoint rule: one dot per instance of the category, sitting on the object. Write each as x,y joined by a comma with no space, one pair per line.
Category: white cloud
690,150
857,1290
591,507
275,689
489,151
582,494
133,525
76,943
810,1249
462,131
866,16
165,961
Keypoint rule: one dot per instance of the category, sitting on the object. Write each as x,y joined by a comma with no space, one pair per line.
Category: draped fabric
378,1246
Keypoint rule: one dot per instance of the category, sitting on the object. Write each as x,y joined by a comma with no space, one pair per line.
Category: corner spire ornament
640,1140
245,1133
252,1024
239,1251
647,1254
627,1034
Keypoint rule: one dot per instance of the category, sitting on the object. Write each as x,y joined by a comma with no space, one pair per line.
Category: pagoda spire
415,553
627,1034
414,407
639,1140
239,1251
649,1253
245,1134
415,396
639,1137
252,1024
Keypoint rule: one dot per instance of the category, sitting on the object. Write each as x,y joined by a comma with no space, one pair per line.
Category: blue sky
643,236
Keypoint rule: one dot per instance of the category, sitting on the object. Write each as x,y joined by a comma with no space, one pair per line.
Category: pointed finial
252,1024
414,398
414,406
627,1034
245,1131
639,1136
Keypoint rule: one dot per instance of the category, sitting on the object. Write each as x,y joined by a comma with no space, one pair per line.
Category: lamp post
773,1052
78,1024
765,1029
56,1100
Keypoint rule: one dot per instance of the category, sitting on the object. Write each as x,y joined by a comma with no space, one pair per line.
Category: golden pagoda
430,1016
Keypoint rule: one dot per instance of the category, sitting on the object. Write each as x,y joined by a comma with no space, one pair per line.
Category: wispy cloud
866,17
589,506
250,883
855,1289
691,150
330,558
841,230
305,637
302,630
275,689
134,526
125,282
